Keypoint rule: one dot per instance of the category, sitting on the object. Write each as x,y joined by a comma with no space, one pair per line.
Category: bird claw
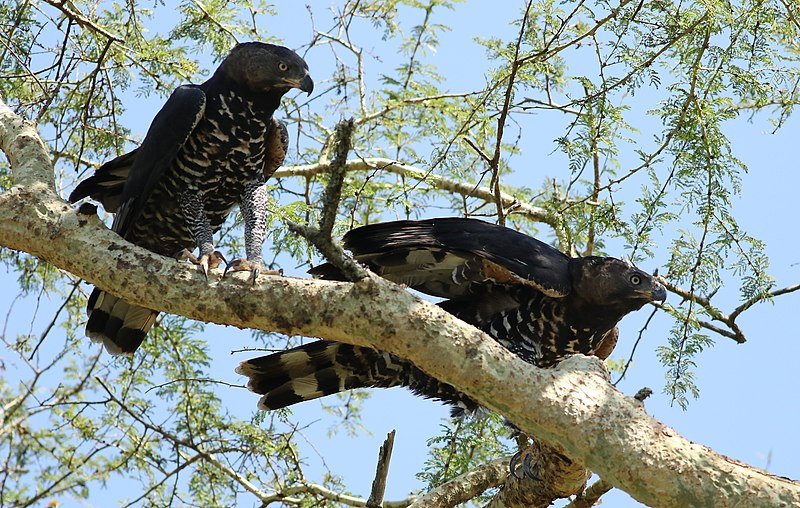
205,261
518,465
254,267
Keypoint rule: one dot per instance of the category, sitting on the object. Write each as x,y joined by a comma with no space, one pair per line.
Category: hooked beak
306,84
658,292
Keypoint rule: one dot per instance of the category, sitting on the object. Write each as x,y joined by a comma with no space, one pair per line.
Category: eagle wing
454,257
167,134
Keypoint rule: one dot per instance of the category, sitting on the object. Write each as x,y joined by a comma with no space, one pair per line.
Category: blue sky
748,406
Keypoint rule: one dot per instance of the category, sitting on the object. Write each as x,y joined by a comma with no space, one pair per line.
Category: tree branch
572,405
466,486
591,496
74,13
321,237
381,472
735,332
510,203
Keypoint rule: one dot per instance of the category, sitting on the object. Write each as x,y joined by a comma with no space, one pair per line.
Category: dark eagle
534,300
211,147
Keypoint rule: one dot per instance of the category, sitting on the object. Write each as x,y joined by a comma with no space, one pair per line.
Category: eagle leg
253,205
194,212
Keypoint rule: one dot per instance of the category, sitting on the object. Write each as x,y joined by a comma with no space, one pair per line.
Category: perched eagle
537,302
211,147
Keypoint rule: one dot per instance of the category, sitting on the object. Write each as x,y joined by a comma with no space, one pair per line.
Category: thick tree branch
572,405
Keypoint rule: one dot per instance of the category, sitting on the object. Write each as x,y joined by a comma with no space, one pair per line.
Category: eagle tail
119,326
323,367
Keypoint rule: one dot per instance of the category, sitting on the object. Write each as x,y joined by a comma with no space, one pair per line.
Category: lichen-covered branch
572,405
591,495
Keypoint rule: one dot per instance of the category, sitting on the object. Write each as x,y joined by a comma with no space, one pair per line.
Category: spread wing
167,134
454,257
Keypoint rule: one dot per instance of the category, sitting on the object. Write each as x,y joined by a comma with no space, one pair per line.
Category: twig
635,345
214,20
55,318
66,7
381,472
735,332
754,300
321,237
533,213
494,163
548,51
287,496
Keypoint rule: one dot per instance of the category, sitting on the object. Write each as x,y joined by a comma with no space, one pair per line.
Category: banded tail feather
120,326
324,367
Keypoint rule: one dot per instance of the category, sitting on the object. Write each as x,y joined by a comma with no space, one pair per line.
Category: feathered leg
195,214
253,205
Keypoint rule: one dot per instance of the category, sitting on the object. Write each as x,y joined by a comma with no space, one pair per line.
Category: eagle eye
282,66
635,280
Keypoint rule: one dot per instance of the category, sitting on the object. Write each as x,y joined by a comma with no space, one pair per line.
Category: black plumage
211,147
537,302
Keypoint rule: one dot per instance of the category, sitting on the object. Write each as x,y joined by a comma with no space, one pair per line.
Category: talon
518,465
254,267
216,259
237,265
513,465
186,255
205,261
254,271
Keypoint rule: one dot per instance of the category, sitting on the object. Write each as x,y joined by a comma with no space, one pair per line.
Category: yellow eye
636,280
282,66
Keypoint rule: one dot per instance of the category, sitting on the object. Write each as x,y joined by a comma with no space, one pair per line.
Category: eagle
211,147
534,300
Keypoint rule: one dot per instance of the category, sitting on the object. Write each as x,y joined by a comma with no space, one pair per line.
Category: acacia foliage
594,70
